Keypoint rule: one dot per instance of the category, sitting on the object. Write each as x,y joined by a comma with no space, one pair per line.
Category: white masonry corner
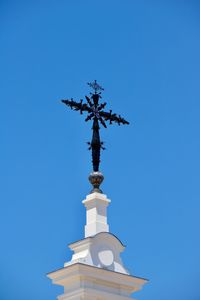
96,214
96,270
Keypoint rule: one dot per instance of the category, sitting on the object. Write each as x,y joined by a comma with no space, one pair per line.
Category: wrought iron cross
98,116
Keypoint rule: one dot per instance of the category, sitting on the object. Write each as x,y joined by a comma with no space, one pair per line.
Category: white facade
96,270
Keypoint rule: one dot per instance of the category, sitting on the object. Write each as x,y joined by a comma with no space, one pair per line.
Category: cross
99,117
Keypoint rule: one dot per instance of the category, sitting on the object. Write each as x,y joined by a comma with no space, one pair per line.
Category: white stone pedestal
96,214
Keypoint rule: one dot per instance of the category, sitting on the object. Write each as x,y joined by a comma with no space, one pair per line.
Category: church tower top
96,270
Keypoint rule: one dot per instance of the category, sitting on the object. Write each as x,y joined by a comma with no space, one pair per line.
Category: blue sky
146,55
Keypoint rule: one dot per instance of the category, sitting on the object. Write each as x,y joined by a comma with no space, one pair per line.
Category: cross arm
77,105
109,116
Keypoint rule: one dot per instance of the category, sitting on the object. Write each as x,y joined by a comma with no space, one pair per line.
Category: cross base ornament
99,117
96,179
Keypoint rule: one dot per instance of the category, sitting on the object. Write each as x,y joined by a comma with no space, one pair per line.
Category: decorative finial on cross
95,86
99,117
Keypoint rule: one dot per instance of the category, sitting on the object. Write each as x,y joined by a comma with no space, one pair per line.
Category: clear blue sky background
146,54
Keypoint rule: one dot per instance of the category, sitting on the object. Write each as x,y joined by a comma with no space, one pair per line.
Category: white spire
99,248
